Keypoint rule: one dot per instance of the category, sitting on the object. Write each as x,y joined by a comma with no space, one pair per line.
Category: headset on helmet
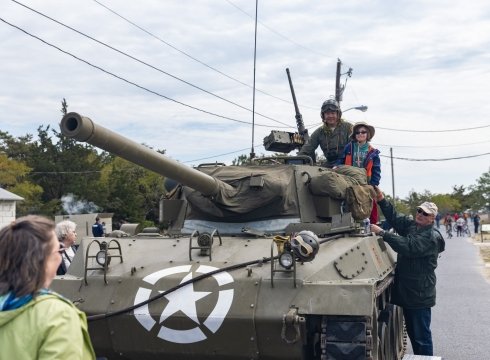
332,105
305,245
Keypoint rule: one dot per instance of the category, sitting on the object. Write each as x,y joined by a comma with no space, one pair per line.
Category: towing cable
190,281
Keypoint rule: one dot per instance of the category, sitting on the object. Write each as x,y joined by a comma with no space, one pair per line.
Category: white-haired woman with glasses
67,235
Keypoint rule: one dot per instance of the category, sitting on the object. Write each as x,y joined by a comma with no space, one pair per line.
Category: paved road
461,318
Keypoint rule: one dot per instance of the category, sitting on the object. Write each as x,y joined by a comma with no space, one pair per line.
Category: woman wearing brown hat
361,154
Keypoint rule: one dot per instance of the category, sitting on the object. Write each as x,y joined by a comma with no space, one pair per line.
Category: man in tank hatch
332,136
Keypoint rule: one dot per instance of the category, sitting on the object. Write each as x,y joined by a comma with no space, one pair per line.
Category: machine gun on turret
283,141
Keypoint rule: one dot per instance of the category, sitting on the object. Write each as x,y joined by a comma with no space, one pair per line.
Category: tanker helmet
330,105
305,245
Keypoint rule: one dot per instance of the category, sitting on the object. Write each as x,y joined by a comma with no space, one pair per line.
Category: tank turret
263,261
284,198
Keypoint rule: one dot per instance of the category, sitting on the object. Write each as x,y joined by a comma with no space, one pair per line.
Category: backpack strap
440,239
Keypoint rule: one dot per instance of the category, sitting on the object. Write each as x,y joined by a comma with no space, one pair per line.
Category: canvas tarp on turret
261,193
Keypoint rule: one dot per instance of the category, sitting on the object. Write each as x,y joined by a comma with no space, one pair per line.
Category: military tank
258,263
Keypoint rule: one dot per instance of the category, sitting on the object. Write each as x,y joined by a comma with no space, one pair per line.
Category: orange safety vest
369,165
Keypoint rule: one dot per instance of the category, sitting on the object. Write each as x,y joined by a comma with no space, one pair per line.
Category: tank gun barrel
81,128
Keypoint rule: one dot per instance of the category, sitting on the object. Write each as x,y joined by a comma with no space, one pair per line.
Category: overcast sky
178,75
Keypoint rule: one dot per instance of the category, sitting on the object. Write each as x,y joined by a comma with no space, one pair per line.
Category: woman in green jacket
36,323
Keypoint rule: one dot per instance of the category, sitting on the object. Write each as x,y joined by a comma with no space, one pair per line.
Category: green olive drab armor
261,261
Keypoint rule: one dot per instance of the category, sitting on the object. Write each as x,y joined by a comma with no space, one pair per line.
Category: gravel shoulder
483,242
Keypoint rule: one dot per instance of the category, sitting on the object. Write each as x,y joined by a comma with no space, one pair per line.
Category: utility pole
392,175
338,90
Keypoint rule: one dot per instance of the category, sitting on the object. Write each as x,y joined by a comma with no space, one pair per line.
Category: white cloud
418,65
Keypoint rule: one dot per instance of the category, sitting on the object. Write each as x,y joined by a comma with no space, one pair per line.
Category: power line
446,159
433,146
147,64
431,131
135,84
416,131
216,156
187,54
276,32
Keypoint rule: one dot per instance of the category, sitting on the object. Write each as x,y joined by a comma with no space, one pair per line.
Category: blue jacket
372,164
97,230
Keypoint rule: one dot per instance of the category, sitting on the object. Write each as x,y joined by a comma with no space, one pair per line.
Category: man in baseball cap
426,214
428,207
418,245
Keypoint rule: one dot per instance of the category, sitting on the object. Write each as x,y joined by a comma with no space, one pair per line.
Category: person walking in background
35,322
332,136
459,226
97,228
67,235
359,153
476,222
418,245
448,220
438,220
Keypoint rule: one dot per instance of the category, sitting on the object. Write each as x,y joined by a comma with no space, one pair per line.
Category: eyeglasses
61,250
420,211
361,132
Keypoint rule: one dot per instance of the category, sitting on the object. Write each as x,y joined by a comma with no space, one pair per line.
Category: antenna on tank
252,152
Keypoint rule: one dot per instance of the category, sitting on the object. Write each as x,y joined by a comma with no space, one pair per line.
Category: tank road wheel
388,333
378,329
399,332
384,342
394,334
376,344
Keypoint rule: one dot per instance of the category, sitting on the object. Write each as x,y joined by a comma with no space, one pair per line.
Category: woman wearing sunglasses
36,323
359,153
418,245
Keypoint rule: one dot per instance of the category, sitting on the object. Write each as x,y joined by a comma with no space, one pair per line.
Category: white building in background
8,203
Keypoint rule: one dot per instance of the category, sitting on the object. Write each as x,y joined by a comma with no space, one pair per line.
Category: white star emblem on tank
183,299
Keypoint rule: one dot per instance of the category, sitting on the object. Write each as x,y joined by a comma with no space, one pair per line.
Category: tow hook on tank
293,326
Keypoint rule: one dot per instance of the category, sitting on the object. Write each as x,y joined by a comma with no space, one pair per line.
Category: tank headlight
205,241
102,256
286,260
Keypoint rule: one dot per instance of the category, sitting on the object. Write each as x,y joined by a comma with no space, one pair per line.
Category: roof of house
7,195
